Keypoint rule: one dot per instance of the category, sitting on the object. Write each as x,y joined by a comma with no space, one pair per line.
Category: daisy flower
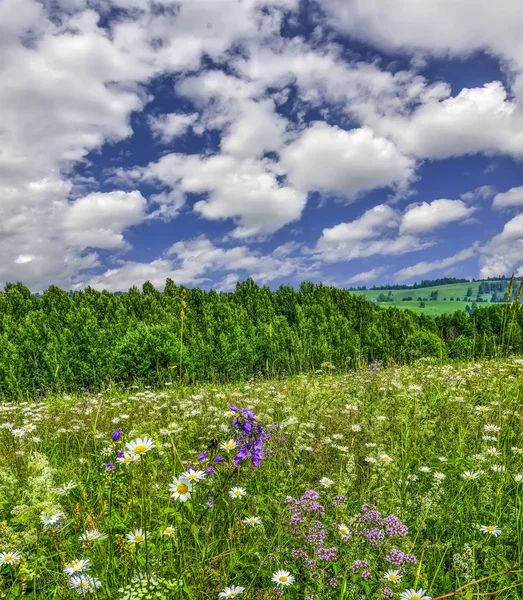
344,530
18,433
237,492
392,575
169,530
469,475
493,452
65,487
49,520
518,478
140,446
492,529
9,558
91,536
385,458
326,482
181,488
517,450
414,595
144,578
231,592
84,584
77,566
491,427
282,578
193,475
137,536
424,469
228,445
439,476
252,521
355,427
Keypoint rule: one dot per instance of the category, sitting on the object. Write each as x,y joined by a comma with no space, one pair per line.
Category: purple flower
109,467
210,470
202,456
117,435
234,408
387,592
218,459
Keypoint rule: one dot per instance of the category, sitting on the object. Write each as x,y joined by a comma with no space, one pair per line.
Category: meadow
387,481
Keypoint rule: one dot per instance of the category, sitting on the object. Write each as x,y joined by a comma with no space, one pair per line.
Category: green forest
62,341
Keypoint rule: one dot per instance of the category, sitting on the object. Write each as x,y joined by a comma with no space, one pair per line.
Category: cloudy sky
346,141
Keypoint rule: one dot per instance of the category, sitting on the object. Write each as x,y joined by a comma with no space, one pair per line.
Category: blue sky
342,141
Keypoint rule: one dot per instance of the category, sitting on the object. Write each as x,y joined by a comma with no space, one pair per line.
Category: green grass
432,308
340,427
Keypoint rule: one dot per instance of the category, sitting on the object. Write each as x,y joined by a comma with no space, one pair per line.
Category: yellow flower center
90,537
182,488
393,577
138,538
237,493
490,528
416,597
8,557
193,476
282,578
169,530
140,449
83,584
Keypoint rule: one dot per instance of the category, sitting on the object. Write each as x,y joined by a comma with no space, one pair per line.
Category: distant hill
439,298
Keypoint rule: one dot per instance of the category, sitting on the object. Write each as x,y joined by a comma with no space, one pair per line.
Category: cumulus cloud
513,197
504,252
197,261
425,217
438,27
172,125
329,159
247,191
366,276
475,120
424,267
367,236
98,220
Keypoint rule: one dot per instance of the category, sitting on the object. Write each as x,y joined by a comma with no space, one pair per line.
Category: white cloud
194,262
504,252
330,159
172,125
246,191
476,120
422,268
371,224
357,239
513,197
98,220
425,217
437,27
365,276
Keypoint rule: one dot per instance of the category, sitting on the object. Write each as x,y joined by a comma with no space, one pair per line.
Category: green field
432,307
402,483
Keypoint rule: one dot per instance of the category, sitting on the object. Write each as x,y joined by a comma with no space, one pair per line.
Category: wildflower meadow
388,481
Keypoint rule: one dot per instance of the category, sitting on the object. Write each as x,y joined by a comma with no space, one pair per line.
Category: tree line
63,341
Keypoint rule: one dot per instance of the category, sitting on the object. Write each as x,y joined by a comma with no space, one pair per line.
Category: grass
434,307
400,439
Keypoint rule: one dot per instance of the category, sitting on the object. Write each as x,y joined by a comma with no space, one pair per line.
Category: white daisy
252,521
91,536
392,575
491,529
344,530
9,558
228,445
231,592
326,482
137,536
193,475
181,488
77,566
414,595
282,578
140,446
237,492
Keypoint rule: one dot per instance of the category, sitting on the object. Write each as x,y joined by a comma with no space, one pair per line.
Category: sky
348,142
